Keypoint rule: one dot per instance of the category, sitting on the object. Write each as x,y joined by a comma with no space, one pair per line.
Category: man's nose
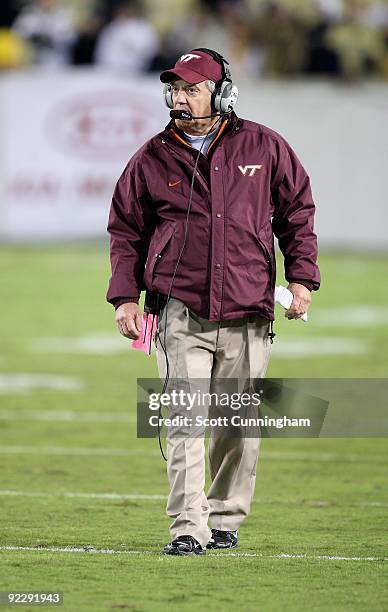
181,97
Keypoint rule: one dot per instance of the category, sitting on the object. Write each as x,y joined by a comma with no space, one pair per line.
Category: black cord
163,344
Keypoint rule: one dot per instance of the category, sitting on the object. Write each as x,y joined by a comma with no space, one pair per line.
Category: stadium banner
67,136
66,139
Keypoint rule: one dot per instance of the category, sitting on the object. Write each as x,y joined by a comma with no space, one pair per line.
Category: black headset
225,94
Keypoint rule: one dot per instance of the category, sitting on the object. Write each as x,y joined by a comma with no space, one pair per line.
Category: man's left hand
301,301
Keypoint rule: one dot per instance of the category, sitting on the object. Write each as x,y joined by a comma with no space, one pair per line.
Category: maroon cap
194,67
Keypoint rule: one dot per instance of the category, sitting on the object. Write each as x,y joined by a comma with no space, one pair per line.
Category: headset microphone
187,116
181,114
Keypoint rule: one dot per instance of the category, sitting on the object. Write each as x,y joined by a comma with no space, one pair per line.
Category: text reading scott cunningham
182,401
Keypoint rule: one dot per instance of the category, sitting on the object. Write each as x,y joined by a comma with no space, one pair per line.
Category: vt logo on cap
188,56
194,67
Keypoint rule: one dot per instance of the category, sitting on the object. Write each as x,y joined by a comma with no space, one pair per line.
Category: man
192,219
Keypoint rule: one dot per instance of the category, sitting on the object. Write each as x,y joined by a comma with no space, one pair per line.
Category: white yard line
319,346
360,315
346,316
104,344
124,452
21,383
323,457
91,344
134,496
152,497
73,451
306,557
96,551
64,416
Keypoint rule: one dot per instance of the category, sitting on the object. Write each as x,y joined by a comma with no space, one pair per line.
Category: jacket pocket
157,249
271,262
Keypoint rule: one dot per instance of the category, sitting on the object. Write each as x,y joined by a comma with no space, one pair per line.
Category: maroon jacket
249,187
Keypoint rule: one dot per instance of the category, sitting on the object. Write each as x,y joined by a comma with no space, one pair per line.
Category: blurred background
79,93
347,39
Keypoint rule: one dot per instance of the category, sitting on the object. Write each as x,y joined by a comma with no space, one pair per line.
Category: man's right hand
129,320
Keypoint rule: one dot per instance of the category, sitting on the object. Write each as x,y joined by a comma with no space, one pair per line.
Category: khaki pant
197,349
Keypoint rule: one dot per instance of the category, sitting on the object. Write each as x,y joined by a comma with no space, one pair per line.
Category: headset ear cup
228,96
217,97
233,96
224,97
167,95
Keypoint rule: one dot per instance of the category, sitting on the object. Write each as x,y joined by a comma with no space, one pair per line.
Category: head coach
192,222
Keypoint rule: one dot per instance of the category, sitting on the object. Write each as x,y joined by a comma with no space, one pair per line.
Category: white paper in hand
284,297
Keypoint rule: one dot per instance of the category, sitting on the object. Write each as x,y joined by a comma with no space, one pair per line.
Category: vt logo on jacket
244,169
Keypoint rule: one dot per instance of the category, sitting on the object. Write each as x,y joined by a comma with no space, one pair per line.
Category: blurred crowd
347,39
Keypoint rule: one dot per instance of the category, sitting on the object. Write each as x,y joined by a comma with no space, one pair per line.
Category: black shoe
184,545
223,539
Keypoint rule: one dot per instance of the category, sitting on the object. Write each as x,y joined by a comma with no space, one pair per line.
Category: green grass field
317,535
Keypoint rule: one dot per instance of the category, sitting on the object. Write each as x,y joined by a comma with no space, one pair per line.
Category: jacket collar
229,124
